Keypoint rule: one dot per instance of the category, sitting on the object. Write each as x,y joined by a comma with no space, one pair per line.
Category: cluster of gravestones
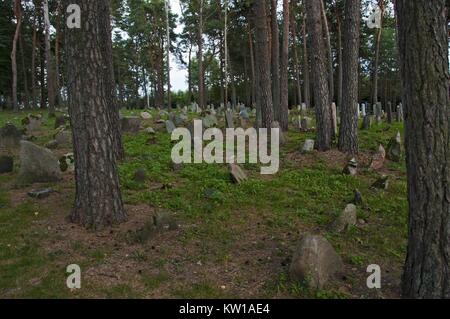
37,164
377,114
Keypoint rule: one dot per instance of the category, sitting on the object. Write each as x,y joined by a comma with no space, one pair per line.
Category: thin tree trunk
98,201
252,62
49,62
275,61
377,56
340,62
33,63
262,63
326,32
423,46
319,72
348,135
201,71
169,97
24,74
18,15
306,84
296,60
284,79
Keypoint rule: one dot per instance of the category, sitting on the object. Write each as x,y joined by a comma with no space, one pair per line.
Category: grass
221,219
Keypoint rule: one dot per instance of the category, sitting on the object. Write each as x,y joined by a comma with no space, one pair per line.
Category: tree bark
262,63
306,82
33,63
284,80
276,95
201,71
326,33
98,201
423,46
18,15
377,56
49,62
348,135
319,72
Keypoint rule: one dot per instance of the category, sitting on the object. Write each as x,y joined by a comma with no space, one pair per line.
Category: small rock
131,124
237,174
10,137
150,130
382,183
351,168
146,116
358,198
40,194
170,127
53,144
346,219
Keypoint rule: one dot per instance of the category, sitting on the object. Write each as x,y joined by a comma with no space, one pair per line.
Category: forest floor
233,241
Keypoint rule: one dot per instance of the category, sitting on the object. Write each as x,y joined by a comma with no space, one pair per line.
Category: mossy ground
234,240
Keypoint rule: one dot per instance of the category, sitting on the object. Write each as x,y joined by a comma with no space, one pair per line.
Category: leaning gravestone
37,164
315,262
346,219
334,118
394,151
63,137
306,123
229,119
10,137
367,122
60,121
131,124
378,159
170,127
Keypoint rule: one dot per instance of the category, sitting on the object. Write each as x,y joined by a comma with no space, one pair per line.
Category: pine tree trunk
24,74
340,62
98,201
423,46
348,135
326,32
18,15
33,64
201,71
49,62
262,63
306,84
275,61
284,81
319,71
377,57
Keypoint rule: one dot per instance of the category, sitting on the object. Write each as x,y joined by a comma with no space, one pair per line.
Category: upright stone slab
37,164
10,137
170,127
229,119
131,124
334,118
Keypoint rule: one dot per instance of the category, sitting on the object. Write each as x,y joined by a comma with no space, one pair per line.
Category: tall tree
275,59
423,45
306,81
201,70
348,136
377,55
262,63
167,7
18,15
49,62
319,73
327,37
98,201
284,80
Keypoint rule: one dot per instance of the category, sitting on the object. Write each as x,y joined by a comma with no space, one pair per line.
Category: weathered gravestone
229,119
10,137
37,164
170,127
394,150
315,262
131,124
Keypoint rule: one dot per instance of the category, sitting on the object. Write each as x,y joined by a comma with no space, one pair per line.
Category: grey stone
394,150
32,123
146,116
315,262
40,194
51,145
150,130
358,198
351,168
6,164
229,119
346,219
210,121
378,159
63,137
367,122
131,124
37,164
382,183
10,137
308,146
170,126
306,123
237,174
67,163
